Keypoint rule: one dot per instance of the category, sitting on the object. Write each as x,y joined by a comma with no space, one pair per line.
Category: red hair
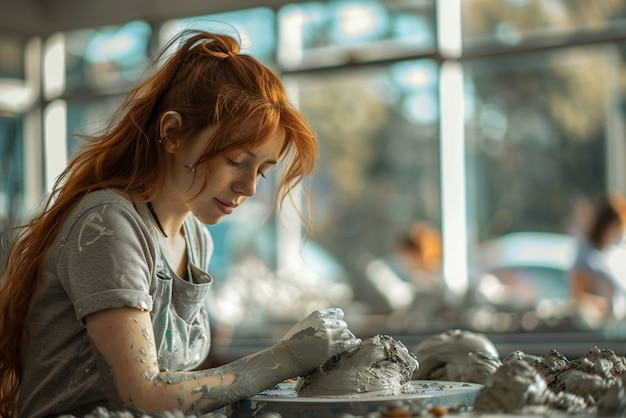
208,82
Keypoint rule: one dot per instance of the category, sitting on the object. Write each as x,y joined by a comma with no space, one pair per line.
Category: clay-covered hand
314,340
378,364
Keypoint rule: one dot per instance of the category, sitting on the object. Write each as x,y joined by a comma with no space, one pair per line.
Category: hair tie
225,55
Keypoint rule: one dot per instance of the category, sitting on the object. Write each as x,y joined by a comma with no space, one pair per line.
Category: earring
189,167
162,140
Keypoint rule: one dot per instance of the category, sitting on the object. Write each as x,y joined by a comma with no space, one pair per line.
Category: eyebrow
253,155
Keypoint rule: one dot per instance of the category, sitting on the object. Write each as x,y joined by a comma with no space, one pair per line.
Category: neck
169,215
156,220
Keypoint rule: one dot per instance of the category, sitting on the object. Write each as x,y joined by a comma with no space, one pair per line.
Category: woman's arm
125,349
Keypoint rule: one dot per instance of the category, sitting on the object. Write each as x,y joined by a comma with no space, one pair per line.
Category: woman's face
231,181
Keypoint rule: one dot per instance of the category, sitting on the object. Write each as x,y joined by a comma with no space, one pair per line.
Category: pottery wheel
285,401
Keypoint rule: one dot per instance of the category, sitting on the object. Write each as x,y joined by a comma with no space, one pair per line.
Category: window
379,162
106,59
333,33
11,171
537,137
255,28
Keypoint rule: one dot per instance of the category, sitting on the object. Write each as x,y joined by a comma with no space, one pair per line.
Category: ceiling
44,17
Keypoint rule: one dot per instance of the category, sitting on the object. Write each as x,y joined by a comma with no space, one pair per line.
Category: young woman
102,300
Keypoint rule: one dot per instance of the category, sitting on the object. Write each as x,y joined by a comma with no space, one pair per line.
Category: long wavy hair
208,82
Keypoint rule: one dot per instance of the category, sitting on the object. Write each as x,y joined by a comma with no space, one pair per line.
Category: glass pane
88,117
379,161
515,22
106,59
537,133
11,172
331,33
255,28
12,48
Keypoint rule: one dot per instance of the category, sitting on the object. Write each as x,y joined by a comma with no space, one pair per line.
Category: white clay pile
520,383
379,364
593,384
456,355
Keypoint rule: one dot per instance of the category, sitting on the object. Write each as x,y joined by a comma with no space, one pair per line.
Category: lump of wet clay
456,355
518,387
598,378
379,364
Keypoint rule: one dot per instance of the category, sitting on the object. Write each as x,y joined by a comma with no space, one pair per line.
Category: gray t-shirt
107,256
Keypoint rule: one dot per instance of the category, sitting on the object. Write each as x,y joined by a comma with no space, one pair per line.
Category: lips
225,207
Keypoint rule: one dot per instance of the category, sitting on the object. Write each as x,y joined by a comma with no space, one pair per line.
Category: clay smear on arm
127,359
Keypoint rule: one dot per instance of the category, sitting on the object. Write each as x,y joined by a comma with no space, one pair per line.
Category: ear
170,124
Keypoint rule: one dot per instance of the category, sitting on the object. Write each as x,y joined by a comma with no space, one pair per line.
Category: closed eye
233,163
237,164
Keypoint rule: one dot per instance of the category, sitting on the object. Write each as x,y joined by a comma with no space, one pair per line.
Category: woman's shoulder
105,203
106,197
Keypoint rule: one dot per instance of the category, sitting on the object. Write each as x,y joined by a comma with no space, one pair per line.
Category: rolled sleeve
107,260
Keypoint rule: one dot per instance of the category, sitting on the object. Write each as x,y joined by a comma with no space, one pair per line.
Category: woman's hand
314,340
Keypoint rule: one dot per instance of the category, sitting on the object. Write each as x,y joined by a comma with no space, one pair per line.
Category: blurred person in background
409,279
103,295
599,294
418,257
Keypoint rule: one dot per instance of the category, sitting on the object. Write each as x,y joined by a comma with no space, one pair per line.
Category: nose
246,184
